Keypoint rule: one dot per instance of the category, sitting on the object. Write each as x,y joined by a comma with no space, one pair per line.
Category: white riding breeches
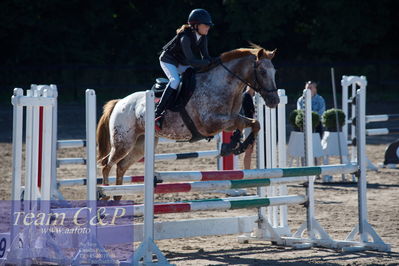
173,73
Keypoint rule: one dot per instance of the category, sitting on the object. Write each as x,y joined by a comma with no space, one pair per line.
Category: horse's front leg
238,123
255,126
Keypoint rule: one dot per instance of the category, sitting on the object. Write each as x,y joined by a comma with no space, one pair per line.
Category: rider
189,48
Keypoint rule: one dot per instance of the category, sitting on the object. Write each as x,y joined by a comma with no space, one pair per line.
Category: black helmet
200,16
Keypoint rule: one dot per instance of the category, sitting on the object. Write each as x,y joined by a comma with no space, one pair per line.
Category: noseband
257,89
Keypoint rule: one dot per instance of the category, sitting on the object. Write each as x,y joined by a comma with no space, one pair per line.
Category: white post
54,188
282,151
352,116
268,154
47,139
219,142
149,174
261,160
16,157
273,150
309,158
363,229
344,84
91,164
261,134
148,247
362,162
28,151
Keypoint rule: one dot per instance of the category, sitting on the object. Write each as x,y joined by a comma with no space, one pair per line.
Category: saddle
184,92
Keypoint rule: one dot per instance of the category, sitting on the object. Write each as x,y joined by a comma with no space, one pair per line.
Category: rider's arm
188,54
204,48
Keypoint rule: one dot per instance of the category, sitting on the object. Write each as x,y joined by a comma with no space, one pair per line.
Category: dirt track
336,210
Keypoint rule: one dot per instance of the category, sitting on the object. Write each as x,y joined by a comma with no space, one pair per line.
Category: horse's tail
103,138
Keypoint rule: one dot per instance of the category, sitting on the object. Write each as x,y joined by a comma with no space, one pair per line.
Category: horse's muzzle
271,99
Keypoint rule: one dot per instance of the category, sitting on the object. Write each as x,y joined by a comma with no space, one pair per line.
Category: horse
213,107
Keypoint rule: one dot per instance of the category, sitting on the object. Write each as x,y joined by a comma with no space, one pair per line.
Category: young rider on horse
189,48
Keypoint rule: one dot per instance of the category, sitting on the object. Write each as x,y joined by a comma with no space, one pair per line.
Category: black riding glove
216,60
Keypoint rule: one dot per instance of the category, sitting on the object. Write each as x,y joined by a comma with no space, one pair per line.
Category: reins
245,82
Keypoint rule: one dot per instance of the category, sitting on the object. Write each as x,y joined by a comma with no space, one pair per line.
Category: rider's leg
169,94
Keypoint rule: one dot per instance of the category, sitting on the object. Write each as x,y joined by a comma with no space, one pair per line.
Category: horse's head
264,76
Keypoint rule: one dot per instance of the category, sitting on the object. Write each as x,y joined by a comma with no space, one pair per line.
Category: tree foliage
58,40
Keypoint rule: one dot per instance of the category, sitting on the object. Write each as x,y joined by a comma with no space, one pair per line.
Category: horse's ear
271,54
260,54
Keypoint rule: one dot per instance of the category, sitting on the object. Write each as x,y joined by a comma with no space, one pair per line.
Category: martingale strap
196,136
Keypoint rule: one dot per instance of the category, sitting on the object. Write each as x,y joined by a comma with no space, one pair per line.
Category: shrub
296,119
329,119
292,118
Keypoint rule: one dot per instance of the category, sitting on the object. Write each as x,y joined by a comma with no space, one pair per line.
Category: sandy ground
336,210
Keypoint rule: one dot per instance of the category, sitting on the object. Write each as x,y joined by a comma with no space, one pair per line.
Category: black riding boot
167,99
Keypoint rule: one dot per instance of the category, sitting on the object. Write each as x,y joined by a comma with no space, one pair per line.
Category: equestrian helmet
200,16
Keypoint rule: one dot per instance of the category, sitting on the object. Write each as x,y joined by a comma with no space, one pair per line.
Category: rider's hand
216,60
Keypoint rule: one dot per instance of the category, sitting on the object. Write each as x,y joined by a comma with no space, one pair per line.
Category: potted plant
330,120
334,141
299,120
292,119
296,140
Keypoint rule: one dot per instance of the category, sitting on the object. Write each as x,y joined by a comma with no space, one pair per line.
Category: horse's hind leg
133,156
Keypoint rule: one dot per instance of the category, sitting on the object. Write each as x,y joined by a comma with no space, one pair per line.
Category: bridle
257,89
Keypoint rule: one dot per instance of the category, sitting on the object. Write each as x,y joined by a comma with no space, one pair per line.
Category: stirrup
159,122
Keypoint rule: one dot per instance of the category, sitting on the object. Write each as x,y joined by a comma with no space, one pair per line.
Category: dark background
113,46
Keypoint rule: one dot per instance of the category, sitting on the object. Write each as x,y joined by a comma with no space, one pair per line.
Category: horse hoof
117,198
225,150
105,198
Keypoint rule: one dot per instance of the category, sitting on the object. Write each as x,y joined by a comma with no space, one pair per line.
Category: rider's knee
174,82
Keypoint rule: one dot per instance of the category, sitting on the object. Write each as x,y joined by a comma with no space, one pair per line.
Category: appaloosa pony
213,107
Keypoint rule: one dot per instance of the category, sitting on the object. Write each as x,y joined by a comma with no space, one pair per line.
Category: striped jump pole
221,204
382,118
175,176
71,143
201,186
83,181
196,205
381,131
185,155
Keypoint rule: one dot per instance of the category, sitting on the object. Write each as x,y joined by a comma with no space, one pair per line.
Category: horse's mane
258,51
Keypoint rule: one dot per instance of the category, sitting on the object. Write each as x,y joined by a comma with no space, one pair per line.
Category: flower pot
330,144
296,145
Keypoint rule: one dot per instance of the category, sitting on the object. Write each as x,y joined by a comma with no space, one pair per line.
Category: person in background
248,110
318,103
